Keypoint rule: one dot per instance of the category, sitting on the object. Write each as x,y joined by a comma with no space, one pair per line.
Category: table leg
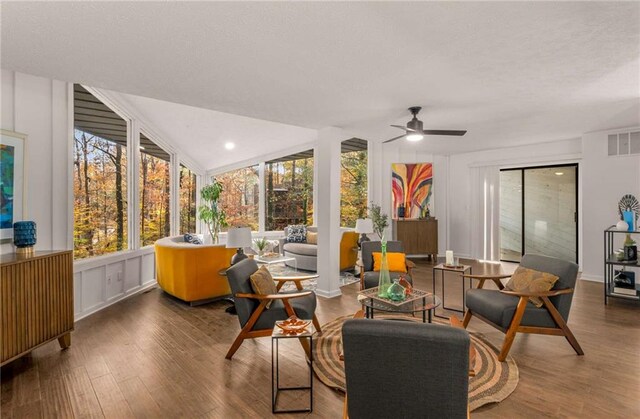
430,315
424,314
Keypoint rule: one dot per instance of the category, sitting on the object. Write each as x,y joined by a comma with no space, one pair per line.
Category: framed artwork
12,182
411,187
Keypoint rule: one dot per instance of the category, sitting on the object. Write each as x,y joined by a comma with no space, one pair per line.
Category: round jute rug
494,380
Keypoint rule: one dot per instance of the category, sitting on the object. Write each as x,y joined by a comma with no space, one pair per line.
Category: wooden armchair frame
247,333
409,264
561,328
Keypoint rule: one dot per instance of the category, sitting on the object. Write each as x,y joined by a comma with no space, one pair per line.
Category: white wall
605,180
40,108
403,152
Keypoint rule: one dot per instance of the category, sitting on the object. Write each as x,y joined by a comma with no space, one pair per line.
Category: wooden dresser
36,301
418,237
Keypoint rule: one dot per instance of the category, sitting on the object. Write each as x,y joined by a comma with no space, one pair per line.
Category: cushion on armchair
397,262
525,279
262,283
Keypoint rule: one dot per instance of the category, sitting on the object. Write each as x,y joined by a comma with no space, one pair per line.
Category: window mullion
133,175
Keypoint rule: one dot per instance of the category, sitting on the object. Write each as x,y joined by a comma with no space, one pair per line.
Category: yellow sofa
190,272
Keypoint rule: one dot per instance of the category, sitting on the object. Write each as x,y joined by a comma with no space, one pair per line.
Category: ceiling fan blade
457,133
393,139
404,128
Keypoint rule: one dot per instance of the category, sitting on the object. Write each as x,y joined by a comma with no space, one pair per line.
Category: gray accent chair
401,369
255,319
368,277
511,311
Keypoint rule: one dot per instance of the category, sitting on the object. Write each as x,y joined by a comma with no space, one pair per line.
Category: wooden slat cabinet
419,237
36,301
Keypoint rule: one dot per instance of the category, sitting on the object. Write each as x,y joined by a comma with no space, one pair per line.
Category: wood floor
152,356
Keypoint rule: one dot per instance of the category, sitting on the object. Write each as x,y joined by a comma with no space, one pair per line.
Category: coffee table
418,302
274,260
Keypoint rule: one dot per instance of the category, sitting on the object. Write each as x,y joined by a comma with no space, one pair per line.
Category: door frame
576,215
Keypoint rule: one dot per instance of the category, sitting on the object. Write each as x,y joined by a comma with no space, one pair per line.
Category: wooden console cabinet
36,301
419,237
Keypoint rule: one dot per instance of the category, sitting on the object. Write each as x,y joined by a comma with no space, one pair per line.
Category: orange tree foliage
239,197
154,199
187,201
100,196
353,187
289,187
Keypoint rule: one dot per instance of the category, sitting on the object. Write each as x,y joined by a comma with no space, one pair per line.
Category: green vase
396,292
384,282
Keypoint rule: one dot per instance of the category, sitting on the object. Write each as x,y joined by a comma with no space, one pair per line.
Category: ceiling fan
414,132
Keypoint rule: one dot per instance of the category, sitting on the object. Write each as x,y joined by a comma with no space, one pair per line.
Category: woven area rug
494,380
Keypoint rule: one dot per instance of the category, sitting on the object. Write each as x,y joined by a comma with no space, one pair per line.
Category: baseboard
331,294
95,309
593,278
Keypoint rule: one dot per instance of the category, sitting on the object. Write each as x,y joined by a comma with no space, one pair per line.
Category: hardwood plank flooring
153,356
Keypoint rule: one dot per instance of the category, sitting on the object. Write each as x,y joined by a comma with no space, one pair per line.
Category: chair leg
466,319
316,324
235,346
563,325
513,329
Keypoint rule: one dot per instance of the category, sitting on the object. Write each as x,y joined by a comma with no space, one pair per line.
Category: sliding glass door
538,212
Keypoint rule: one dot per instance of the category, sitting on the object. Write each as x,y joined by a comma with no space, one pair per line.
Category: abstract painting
12,182
411,186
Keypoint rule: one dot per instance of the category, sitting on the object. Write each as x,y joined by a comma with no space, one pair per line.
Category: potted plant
261,245
379,219
210,211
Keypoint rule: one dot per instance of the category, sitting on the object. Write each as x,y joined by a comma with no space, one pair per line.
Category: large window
99,181
289,188
187,200
155,184
353,181
239,198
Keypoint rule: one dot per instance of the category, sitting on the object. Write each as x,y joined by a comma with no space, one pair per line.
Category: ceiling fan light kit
413,131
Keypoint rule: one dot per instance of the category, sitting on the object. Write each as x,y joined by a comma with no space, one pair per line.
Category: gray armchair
368,277
399,369
511,311
255,319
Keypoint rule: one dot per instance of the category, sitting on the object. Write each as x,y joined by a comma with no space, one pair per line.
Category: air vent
624,144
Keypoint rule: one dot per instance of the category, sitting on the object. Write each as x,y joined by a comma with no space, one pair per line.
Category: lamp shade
364,226
239,237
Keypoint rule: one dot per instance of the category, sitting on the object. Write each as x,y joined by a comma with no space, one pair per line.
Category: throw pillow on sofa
192,238
312,238
297,233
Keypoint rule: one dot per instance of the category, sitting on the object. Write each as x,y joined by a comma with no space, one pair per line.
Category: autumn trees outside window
239,198
353,182
187,200
154,182
289,189
100,177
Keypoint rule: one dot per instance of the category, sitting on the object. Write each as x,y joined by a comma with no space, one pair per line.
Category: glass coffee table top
419,301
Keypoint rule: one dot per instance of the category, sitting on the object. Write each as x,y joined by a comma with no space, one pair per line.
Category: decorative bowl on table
293,325
270,255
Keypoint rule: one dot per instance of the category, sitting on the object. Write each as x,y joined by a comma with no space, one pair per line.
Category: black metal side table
306,336
461,269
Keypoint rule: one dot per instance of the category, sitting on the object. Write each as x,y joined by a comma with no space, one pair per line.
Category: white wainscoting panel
104,280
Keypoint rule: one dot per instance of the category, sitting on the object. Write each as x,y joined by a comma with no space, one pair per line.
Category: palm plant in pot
210,211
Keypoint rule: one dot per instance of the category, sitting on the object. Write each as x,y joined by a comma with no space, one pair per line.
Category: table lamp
364,226
239,237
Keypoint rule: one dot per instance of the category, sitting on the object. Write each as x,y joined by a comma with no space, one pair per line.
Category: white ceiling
510,73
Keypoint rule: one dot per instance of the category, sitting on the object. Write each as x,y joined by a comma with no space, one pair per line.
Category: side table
461,269
276,335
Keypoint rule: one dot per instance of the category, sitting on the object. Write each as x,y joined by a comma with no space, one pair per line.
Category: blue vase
630,218
24,234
